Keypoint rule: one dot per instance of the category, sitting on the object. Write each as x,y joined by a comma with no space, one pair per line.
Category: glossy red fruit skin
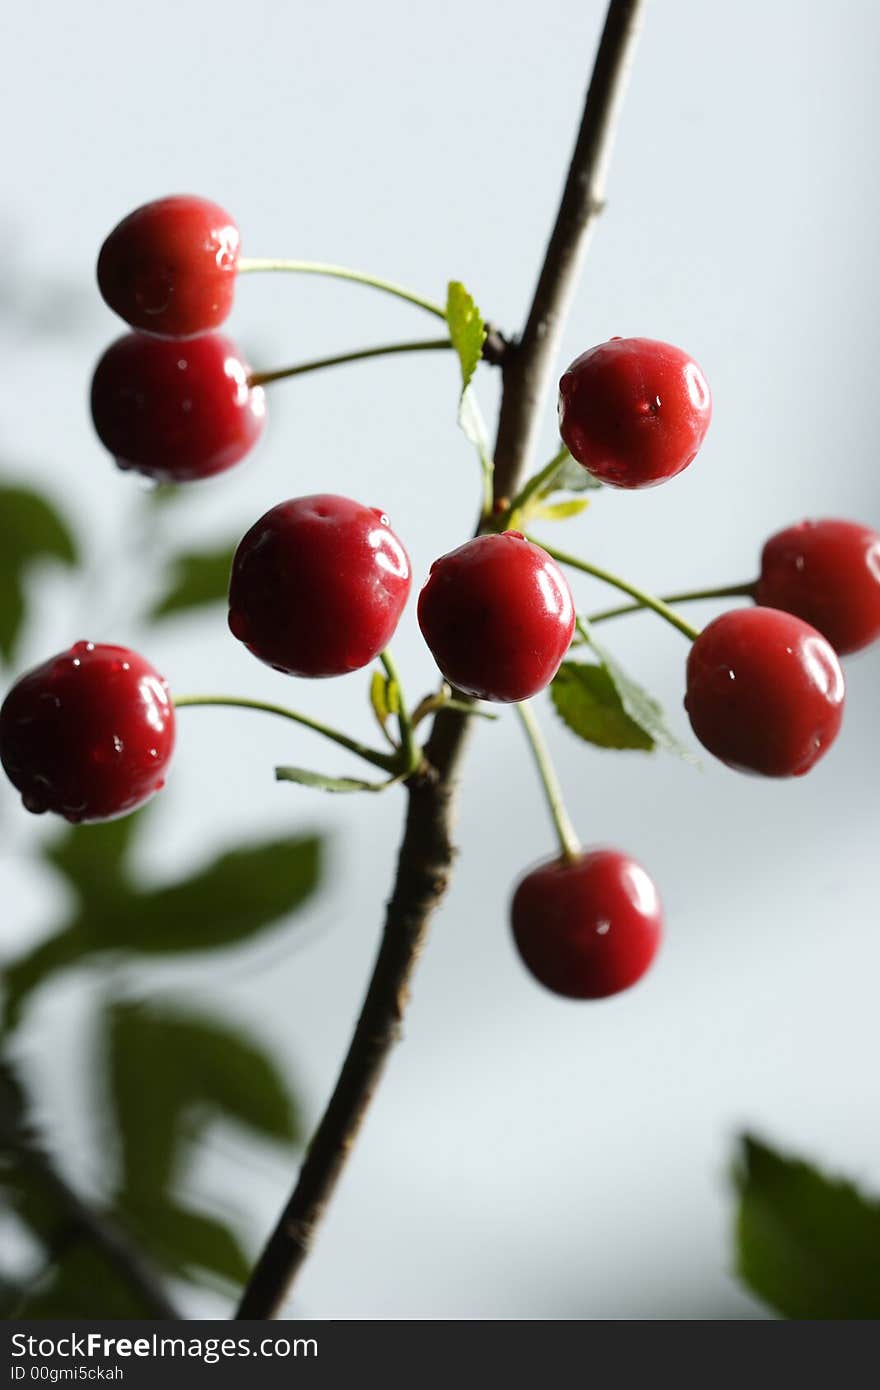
176,412
765,692
318,586
590,928
828,573
498,616
169,268
89,734
634,411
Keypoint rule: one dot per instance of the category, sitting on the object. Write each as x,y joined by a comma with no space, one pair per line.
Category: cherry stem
534,485
689,596
248,265
644,599
318,363
409,748
569,843
388,762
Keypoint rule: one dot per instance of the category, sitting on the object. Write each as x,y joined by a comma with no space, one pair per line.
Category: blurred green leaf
466,329
83,1284
319,782
641,707
587,700
807,1244
94,858
570,477
557,511
198,578
228,902
171,1072
187,1242
30,530
240,894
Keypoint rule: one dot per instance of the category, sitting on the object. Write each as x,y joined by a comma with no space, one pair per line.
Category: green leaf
587,700
234,898
319,782
187,1241
557,511
231,900
94,858
30,530
199,577
641,707
171,1072
384,698
83,1284
807,1244
466,329
570,477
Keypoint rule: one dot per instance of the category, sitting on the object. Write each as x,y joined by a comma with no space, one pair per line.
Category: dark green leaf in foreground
83,1284
228,902
807,1244
174,1070
188,1242
587,700
30,530
199,578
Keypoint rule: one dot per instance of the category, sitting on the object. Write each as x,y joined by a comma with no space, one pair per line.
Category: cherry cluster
319,583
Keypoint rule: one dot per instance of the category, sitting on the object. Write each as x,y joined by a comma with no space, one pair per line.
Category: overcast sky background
527,1157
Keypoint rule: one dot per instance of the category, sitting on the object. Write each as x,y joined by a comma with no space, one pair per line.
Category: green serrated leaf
94,858
466,329
641,707
587,700
198,578
557,511
30,530
319,782
807,1244
171,1072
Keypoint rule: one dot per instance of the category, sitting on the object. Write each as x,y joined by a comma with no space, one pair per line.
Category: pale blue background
526,1158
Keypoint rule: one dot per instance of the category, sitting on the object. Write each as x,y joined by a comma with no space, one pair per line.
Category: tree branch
92,1223
528,366
426,853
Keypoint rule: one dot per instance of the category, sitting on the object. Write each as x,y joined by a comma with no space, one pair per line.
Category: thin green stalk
689,596
387,761
534,485
249,265
360,355
569,843
644,599
412,753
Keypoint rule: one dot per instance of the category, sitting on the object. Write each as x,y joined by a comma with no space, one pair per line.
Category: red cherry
169,267
587,928
318,586
498,616
634,411
88,734
828,573
176,411
764,692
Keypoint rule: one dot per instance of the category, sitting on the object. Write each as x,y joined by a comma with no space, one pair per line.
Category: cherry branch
426,852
